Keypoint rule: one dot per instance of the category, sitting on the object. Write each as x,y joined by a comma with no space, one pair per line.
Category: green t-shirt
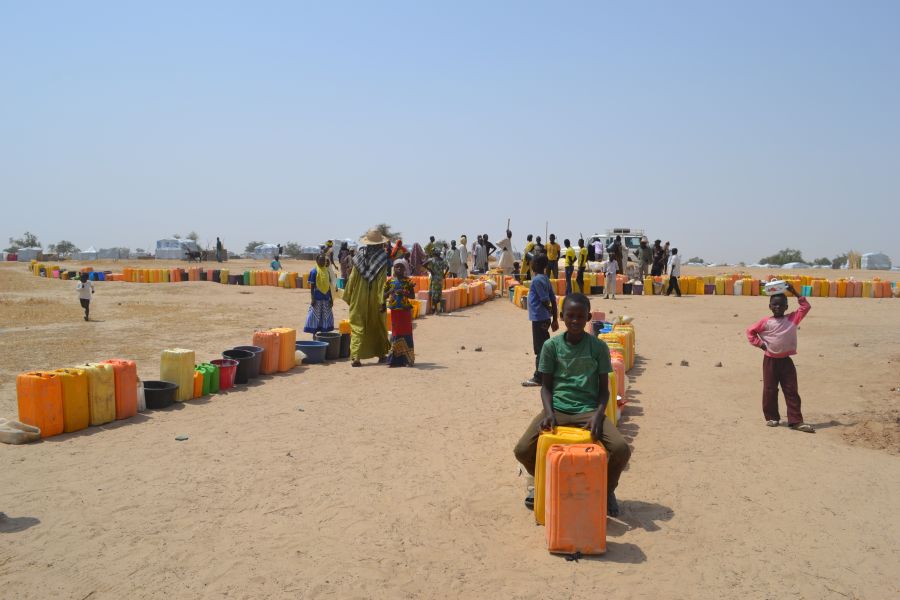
576,372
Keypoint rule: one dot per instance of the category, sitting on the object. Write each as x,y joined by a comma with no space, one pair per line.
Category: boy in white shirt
85,291
612,267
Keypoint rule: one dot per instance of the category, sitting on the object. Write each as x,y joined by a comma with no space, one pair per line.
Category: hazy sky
732,129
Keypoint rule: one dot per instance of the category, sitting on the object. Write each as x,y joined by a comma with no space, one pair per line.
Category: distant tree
193,236
252,246
292,250
822,261
177,236
696,259
139,250
385,230
64,247
787,255
838,261
28,240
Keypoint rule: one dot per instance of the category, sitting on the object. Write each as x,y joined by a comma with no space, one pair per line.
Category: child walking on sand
777,336
320,317
85,291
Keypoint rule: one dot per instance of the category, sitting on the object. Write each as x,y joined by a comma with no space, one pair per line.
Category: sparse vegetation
251,246
292,250
385,230
788,255
28,240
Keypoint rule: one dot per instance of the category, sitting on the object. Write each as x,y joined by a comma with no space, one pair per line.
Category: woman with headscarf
320,316
416,260
364,293
399,251
437,268
399,294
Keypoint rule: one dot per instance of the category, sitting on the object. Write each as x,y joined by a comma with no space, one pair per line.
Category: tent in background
265,251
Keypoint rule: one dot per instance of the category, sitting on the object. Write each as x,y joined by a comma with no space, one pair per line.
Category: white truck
631,241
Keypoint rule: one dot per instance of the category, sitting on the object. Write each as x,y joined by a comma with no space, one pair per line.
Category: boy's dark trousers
569,280
673,285
553,269
580,280
86,305
616,446
780,371
540,333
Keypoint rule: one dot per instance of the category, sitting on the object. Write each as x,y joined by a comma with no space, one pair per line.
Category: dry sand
402,483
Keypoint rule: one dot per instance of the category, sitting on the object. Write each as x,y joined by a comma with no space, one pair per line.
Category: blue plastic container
314,351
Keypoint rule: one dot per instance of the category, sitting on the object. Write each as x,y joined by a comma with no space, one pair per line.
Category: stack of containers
177,366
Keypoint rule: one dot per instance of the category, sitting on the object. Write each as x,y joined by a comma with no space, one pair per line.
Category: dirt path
402,483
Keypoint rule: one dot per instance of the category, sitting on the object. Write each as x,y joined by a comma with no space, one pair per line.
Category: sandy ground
402,483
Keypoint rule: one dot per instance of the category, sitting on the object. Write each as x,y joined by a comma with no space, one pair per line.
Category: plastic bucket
159,394
245,360
227,370
256,362
333,339
345,345
314,350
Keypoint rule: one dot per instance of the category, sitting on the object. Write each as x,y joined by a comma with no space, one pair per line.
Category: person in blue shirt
541,312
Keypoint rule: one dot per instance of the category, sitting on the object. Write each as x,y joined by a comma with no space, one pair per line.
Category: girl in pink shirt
777,336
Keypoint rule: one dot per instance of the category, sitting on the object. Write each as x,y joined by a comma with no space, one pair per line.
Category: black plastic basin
160,394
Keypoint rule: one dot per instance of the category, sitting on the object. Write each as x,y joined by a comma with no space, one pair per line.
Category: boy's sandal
772,423
803,427
529,500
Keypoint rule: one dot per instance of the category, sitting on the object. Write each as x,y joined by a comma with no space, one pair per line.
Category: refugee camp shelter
876,261
29,254
113,253
173,249
89,254
265,251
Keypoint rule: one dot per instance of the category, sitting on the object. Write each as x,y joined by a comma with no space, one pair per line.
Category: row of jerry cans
72,399
570,482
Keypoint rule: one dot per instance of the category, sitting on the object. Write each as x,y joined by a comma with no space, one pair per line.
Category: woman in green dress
363,292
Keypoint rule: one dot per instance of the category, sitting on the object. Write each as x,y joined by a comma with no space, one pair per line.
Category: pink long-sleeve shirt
779,334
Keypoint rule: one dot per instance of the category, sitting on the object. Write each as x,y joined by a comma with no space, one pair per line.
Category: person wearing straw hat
364,295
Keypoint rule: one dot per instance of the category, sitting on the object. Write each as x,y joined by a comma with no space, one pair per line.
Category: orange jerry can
575,509
126,387
39,395
76,405
287,347
270,343
547,439
198,384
